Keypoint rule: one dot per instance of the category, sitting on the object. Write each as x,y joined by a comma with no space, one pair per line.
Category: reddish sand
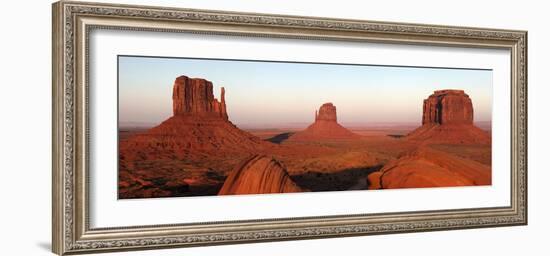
315,166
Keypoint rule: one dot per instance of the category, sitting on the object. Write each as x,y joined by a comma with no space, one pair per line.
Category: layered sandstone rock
426,167
448,118
258,175
194,96
325,127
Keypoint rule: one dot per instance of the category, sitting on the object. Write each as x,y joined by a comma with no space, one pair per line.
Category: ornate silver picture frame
74,21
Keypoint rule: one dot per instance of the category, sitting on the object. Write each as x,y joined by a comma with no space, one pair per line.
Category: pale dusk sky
277,94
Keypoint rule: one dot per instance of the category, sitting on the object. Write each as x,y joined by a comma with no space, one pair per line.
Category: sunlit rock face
258,175
194,96
448,107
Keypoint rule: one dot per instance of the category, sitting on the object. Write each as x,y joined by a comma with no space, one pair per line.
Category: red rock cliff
194,96
326,112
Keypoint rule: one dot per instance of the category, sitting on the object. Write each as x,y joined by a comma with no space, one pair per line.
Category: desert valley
199,151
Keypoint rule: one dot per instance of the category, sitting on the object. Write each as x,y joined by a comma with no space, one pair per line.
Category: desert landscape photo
206,127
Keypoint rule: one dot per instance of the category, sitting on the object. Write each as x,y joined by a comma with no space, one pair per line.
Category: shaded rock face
448,107
200,123
194,96
259,175
325,127
426,167
448,118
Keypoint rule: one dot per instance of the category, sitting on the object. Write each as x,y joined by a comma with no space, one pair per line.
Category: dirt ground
316,166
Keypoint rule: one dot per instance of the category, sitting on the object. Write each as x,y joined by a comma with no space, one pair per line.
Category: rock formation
200,123
258,175
448,118
196,140
327,112
194,96
448,107
426,167
325,127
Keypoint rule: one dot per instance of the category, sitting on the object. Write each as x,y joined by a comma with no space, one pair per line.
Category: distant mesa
259,174
448,118
325,127
448,107
426,167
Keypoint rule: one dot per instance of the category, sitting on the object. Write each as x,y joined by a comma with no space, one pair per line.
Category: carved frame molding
72,23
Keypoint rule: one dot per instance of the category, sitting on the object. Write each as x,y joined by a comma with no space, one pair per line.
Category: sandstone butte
426,167
448,118
258,174
199,129
325,127
199,124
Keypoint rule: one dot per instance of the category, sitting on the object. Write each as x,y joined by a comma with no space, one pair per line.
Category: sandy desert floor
316,166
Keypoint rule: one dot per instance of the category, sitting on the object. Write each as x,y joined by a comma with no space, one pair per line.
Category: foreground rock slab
426,167
259,175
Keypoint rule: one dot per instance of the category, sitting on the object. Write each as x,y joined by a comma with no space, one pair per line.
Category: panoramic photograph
209,127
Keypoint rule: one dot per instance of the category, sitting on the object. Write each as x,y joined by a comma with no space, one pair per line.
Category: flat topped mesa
448,117
326,112
195,97
448,107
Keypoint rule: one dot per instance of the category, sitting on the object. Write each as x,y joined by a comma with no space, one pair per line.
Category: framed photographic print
179,127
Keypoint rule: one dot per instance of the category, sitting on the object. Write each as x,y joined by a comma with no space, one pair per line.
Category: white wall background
25,149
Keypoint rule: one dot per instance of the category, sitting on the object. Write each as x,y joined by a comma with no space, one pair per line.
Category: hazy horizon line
299,124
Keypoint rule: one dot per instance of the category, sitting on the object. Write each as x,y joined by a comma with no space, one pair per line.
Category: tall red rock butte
195,97
448,118
325,127
259,175
199,129
200,123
